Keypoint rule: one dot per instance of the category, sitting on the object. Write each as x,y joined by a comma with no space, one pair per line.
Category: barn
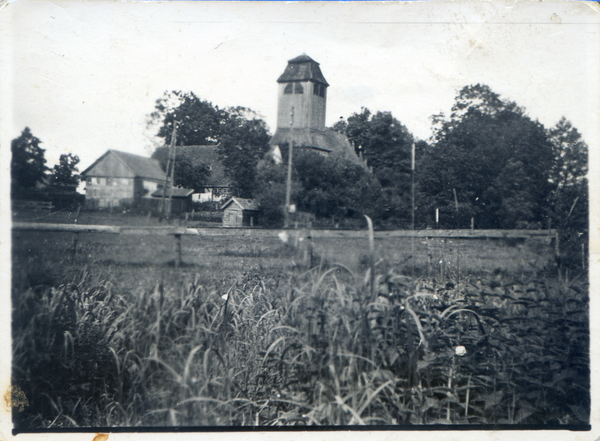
123,180
240,212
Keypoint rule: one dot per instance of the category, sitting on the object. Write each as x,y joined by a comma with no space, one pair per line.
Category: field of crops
253,331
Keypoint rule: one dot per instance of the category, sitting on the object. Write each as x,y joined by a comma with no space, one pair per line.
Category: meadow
252,329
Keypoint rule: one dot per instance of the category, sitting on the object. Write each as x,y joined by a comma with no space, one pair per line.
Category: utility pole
170,167
288,188
413,208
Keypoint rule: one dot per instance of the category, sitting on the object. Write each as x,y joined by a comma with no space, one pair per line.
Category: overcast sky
84,76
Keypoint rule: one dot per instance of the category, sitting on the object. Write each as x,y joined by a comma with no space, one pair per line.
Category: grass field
248,332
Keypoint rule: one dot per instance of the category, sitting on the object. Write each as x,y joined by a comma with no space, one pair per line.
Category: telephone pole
288,188
171,169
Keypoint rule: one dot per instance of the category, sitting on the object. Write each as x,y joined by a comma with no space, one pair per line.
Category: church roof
302,68
328,141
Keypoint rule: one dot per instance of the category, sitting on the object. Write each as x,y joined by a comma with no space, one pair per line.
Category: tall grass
326,345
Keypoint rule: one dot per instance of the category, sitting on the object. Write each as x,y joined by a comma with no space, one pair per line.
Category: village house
121,180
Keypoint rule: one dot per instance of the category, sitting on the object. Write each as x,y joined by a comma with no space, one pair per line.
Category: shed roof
244,204
302,68
115,163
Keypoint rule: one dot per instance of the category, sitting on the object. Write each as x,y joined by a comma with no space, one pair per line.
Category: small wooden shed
240,212
180,200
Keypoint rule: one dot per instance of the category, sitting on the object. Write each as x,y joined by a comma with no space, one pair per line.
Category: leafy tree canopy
493,157
241,135
386,144
28,164
381,139
188,173
64,173
330,188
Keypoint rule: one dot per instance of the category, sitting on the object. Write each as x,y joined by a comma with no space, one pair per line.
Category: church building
302,102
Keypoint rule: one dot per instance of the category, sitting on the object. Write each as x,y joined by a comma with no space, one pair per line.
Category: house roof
328,141
173,192
208,155
302,68
115,163
244,204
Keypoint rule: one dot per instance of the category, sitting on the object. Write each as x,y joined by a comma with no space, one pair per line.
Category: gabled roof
173,192
302,68
244,204
208,155
115,163
328,141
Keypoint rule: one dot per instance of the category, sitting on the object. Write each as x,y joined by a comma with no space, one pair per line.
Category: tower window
289,88
298,89
319,89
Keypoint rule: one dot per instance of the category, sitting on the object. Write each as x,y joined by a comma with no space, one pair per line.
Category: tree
28,164
64,172
489,157
567,203
330,188
241,135
243,143
570,154
386,145
188,173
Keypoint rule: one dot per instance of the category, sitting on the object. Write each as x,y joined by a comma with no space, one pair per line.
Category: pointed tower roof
302,68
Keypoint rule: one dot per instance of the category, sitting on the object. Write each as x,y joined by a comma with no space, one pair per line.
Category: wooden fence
544,237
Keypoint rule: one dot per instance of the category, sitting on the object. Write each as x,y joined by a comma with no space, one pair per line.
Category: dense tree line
488,162
28,170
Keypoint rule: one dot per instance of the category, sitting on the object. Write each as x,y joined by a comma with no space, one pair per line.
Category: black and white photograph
234,217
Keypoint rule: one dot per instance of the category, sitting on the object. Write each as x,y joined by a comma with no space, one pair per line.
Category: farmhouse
302,102
119,179
239,212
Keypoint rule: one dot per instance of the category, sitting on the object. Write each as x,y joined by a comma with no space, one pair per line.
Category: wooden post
166,183
455,199
74,246
437,218
412,223
77,214
288,187
472,223
177,250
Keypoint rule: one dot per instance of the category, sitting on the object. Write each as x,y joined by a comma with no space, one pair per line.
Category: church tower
303,89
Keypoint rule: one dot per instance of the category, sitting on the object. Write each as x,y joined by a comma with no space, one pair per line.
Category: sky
84,76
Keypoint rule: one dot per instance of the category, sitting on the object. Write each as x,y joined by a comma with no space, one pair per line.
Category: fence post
177,250
74,247
77,214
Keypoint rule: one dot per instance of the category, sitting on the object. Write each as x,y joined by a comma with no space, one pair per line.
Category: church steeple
303,87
